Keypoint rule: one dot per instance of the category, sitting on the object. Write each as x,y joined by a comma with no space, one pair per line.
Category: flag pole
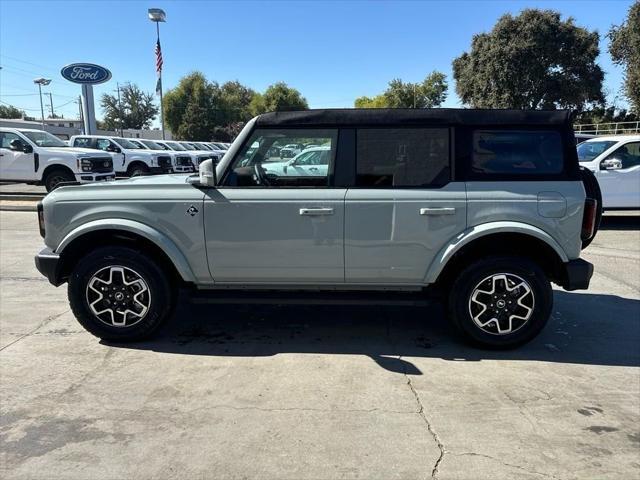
160,81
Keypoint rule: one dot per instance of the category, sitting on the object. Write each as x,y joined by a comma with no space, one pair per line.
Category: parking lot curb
18,208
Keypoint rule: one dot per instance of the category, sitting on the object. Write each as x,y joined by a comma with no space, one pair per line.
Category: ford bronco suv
487,207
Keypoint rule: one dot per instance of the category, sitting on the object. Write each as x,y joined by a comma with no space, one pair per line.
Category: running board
267,297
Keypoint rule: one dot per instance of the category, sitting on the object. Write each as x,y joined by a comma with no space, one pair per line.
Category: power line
28,63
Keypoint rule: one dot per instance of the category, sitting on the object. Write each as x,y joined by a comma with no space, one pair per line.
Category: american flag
158,58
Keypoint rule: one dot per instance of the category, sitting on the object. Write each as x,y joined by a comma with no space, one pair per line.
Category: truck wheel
501,301
138,170
56,177
120,294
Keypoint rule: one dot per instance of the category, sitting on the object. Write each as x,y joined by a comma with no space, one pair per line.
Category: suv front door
403,209
265,228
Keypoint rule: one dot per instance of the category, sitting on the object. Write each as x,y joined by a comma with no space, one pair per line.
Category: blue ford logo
85,73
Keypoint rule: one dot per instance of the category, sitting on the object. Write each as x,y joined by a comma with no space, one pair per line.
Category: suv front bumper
48,264
576,274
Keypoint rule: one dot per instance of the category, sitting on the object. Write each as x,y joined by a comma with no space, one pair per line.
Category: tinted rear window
517,152
402,157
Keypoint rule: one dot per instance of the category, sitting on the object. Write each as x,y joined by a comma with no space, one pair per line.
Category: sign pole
88,110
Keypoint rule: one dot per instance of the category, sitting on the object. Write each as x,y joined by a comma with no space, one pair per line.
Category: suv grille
183,161
164,162
101,164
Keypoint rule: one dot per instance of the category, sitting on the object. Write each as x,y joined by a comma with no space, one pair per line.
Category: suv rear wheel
501,301
120,294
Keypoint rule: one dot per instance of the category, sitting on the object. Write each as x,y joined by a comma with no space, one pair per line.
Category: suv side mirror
208,174
611,164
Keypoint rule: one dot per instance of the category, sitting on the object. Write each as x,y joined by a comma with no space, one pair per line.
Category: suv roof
613,138
413,116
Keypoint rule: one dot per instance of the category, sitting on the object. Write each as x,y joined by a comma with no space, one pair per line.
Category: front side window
402,157
44,139
267,160
82,142
628,154
6,138
517,152
104,144
588,151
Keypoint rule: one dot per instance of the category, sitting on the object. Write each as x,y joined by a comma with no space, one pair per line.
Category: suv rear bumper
576,274
48,264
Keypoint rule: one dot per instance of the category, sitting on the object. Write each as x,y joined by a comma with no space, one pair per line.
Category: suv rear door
404,207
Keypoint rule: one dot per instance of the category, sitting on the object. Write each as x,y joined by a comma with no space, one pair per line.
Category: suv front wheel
120,294
501,301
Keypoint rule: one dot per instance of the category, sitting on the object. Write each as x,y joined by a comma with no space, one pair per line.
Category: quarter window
285,158
517,152
402,157
628,154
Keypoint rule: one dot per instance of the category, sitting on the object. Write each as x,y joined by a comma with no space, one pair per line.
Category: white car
198,156
130,159
312,162
182,162
290,150
36,156
615,161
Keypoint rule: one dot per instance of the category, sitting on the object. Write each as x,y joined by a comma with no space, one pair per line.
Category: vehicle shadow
584,329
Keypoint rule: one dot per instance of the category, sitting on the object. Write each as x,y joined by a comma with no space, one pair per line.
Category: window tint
277,158
628,154
7,137
587,151
517,152
402,157
102,143
82,142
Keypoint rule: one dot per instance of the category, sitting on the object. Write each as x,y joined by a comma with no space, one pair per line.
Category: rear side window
517,152
402,157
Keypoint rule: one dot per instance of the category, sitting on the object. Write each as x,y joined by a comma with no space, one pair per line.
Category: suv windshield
153,145
587,151
124,143
44,139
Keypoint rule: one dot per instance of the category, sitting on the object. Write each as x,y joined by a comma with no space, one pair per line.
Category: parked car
291,150
202,154
129,159
615,161
310,162
220,146
36,156
400,215
181,162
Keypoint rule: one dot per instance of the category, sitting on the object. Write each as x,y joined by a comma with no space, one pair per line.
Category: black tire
592,190
138,170
461,305
160,302
55,177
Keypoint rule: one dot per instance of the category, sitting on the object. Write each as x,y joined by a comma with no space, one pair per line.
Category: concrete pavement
279,392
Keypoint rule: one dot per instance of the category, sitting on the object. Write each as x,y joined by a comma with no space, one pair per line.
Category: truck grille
183,161
164,162
101,164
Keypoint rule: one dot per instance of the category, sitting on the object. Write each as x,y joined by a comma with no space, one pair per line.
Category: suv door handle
438,211
316,211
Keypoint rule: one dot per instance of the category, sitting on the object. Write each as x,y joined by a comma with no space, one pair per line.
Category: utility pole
80,112
53,115
119,108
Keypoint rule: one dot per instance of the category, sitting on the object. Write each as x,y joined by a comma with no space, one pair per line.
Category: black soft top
414,116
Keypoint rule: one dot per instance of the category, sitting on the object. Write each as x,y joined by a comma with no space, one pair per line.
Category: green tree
625,51
192,107
429,93
235,102
278,97
9,111
533,60
135,109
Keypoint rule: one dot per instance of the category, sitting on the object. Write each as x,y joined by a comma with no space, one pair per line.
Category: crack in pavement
533,472
304,409
31,332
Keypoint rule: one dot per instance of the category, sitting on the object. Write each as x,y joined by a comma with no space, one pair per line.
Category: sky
332,51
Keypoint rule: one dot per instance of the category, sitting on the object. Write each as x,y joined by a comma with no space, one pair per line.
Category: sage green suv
487,207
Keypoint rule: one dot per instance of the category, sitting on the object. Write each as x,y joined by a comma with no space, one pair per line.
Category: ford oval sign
86,73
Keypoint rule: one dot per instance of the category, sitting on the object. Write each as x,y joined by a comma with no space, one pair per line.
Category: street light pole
119,108
157,15
40,82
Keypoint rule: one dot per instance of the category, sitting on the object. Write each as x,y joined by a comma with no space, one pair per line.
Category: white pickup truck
129,159
36,156
182,162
